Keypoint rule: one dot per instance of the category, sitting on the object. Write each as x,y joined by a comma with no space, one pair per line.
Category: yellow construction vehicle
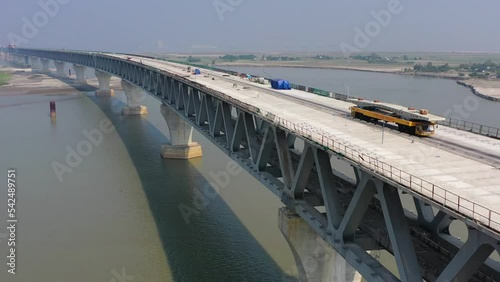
414,122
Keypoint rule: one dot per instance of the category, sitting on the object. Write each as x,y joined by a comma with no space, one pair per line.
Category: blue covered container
280,84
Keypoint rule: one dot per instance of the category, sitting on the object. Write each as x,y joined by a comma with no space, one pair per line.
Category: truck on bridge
414,122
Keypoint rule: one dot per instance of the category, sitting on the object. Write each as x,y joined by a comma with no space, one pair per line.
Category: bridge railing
472,127
469,209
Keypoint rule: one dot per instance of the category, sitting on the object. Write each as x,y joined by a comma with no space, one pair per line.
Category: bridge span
293,142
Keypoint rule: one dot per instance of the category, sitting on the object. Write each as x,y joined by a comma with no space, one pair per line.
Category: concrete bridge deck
461,183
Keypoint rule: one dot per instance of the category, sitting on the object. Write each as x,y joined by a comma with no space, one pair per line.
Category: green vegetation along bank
4,78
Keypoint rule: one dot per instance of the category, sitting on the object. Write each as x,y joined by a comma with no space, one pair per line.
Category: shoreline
477,93
360,69
458,79
25,82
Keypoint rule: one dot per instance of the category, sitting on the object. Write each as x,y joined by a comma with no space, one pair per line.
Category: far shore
376,68
487,89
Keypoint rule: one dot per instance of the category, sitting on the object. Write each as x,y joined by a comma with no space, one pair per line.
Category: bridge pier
19,60
35,64
80,73
14,59
104,79
316,260
134,96
181,145
60,68
45,65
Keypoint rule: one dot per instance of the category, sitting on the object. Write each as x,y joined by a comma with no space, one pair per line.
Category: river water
116,214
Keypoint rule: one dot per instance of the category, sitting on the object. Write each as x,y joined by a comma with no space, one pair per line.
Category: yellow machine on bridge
409,120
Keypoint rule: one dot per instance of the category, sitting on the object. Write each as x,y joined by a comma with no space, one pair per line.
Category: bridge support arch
181,145
35,64
316,260
14,59
60,68
80,73
134,97
20,60
45,65
104,79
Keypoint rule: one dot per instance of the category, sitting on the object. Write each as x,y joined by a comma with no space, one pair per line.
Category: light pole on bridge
383,129
347,88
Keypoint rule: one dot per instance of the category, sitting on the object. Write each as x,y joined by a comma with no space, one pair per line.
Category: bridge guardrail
469,209
472,127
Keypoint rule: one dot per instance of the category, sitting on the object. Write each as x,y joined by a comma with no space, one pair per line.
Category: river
116,213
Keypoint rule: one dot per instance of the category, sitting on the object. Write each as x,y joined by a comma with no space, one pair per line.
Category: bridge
297,144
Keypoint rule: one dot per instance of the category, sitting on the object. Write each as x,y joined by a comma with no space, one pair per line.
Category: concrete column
14,59
80,73
19,60
181,145
316,260
104,79
60,68
35,64
134,97
45,65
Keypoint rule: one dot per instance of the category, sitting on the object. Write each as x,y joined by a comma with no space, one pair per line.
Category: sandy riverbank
378,68
487,89
23,81
374,68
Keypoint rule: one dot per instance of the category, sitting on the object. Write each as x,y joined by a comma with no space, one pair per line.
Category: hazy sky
252,25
